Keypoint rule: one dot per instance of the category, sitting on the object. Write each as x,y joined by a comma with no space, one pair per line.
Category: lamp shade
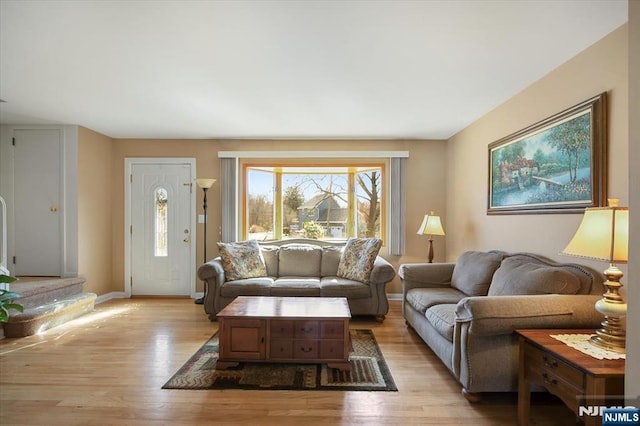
431,225
603,234
205,182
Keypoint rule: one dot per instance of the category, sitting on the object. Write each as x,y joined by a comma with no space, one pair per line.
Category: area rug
369,371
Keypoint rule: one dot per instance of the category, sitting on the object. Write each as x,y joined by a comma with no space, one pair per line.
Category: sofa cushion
242,259
270,255
300,260
296,286
249,287
330,261
473,272
422,299
443,317
358,258
342,287
517,277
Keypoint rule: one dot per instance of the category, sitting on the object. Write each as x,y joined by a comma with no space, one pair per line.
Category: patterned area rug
369,371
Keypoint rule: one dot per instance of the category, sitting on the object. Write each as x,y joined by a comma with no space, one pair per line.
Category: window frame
350,164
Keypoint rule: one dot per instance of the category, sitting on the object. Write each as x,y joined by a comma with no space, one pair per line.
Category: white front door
161,207
37,159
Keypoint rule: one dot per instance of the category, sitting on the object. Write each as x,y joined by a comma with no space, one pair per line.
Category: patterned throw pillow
356,262
241,260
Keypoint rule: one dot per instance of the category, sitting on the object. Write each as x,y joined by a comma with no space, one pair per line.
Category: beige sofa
300,268
466,311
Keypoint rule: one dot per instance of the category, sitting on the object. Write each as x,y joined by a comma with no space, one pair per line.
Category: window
160,231
318,202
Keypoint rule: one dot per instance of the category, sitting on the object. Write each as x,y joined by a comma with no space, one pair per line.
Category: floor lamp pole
205,184
204,208
200,301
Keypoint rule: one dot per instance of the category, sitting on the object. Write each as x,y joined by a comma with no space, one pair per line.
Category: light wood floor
107,368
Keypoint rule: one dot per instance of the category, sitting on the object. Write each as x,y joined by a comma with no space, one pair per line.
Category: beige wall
632,383
600,68
426,174
95,192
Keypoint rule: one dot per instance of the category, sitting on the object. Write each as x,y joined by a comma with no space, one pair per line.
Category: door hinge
13,142
131,282
14,260
131,229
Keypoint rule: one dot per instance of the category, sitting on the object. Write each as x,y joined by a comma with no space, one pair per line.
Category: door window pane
160,234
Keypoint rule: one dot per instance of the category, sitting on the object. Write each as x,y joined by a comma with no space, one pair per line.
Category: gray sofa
466,311
300,268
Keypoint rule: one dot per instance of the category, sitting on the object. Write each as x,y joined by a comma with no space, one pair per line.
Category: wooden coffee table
285,329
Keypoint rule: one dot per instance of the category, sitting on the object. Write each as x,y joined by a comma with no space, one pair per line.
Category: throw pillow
241,260
515,277
473,271
356,261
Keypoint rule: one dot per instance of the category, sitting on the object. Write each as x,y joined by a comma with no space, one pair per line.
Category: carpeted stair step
38,291
40,318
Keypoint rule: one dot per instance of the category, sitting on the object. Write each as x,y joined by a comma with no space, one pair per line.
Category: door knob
187,240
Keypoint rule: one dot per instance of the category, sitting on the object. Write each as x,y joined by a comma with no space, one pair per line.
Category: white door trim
128,170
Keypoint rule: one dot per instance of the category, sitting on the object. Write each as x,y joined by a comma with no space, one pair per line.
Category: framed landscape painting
555,166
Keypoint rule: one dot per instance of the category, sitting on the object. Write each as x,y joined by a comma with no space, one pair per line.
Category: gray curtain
397,199
229,175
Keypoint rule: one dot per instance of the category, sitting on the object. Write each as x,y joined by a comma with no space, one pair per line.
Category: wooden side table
565,372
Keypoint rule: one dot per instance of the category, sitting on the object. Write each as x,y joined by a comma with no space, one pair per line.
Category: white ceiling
283,69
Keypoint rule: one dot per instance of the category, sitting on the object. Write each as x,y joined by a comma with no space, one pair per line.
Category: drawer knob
550,363
547,381
306,350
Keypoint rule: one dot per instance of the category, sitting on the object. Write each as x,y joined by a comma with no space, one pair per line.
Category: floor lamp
205,184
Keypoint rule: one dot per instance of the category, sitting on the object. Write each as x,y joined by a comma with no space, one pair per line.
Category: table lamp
430,226
604,235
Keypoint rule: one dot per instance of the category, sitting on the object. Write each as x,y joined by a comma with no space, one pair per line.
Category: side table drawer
551,368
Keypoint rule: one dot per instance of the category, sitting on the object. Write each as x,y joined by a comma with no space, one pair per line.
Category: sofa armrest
382,271
495,315
212,270
415,275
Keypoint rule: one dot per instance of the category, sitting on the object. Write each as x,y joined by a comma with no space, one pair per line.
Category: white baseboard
112,295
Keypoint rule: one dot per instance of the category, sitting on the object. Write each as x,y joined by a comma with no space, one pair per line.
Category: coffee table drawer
281,349
307,329
282,328
332,349
305,349
332,330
